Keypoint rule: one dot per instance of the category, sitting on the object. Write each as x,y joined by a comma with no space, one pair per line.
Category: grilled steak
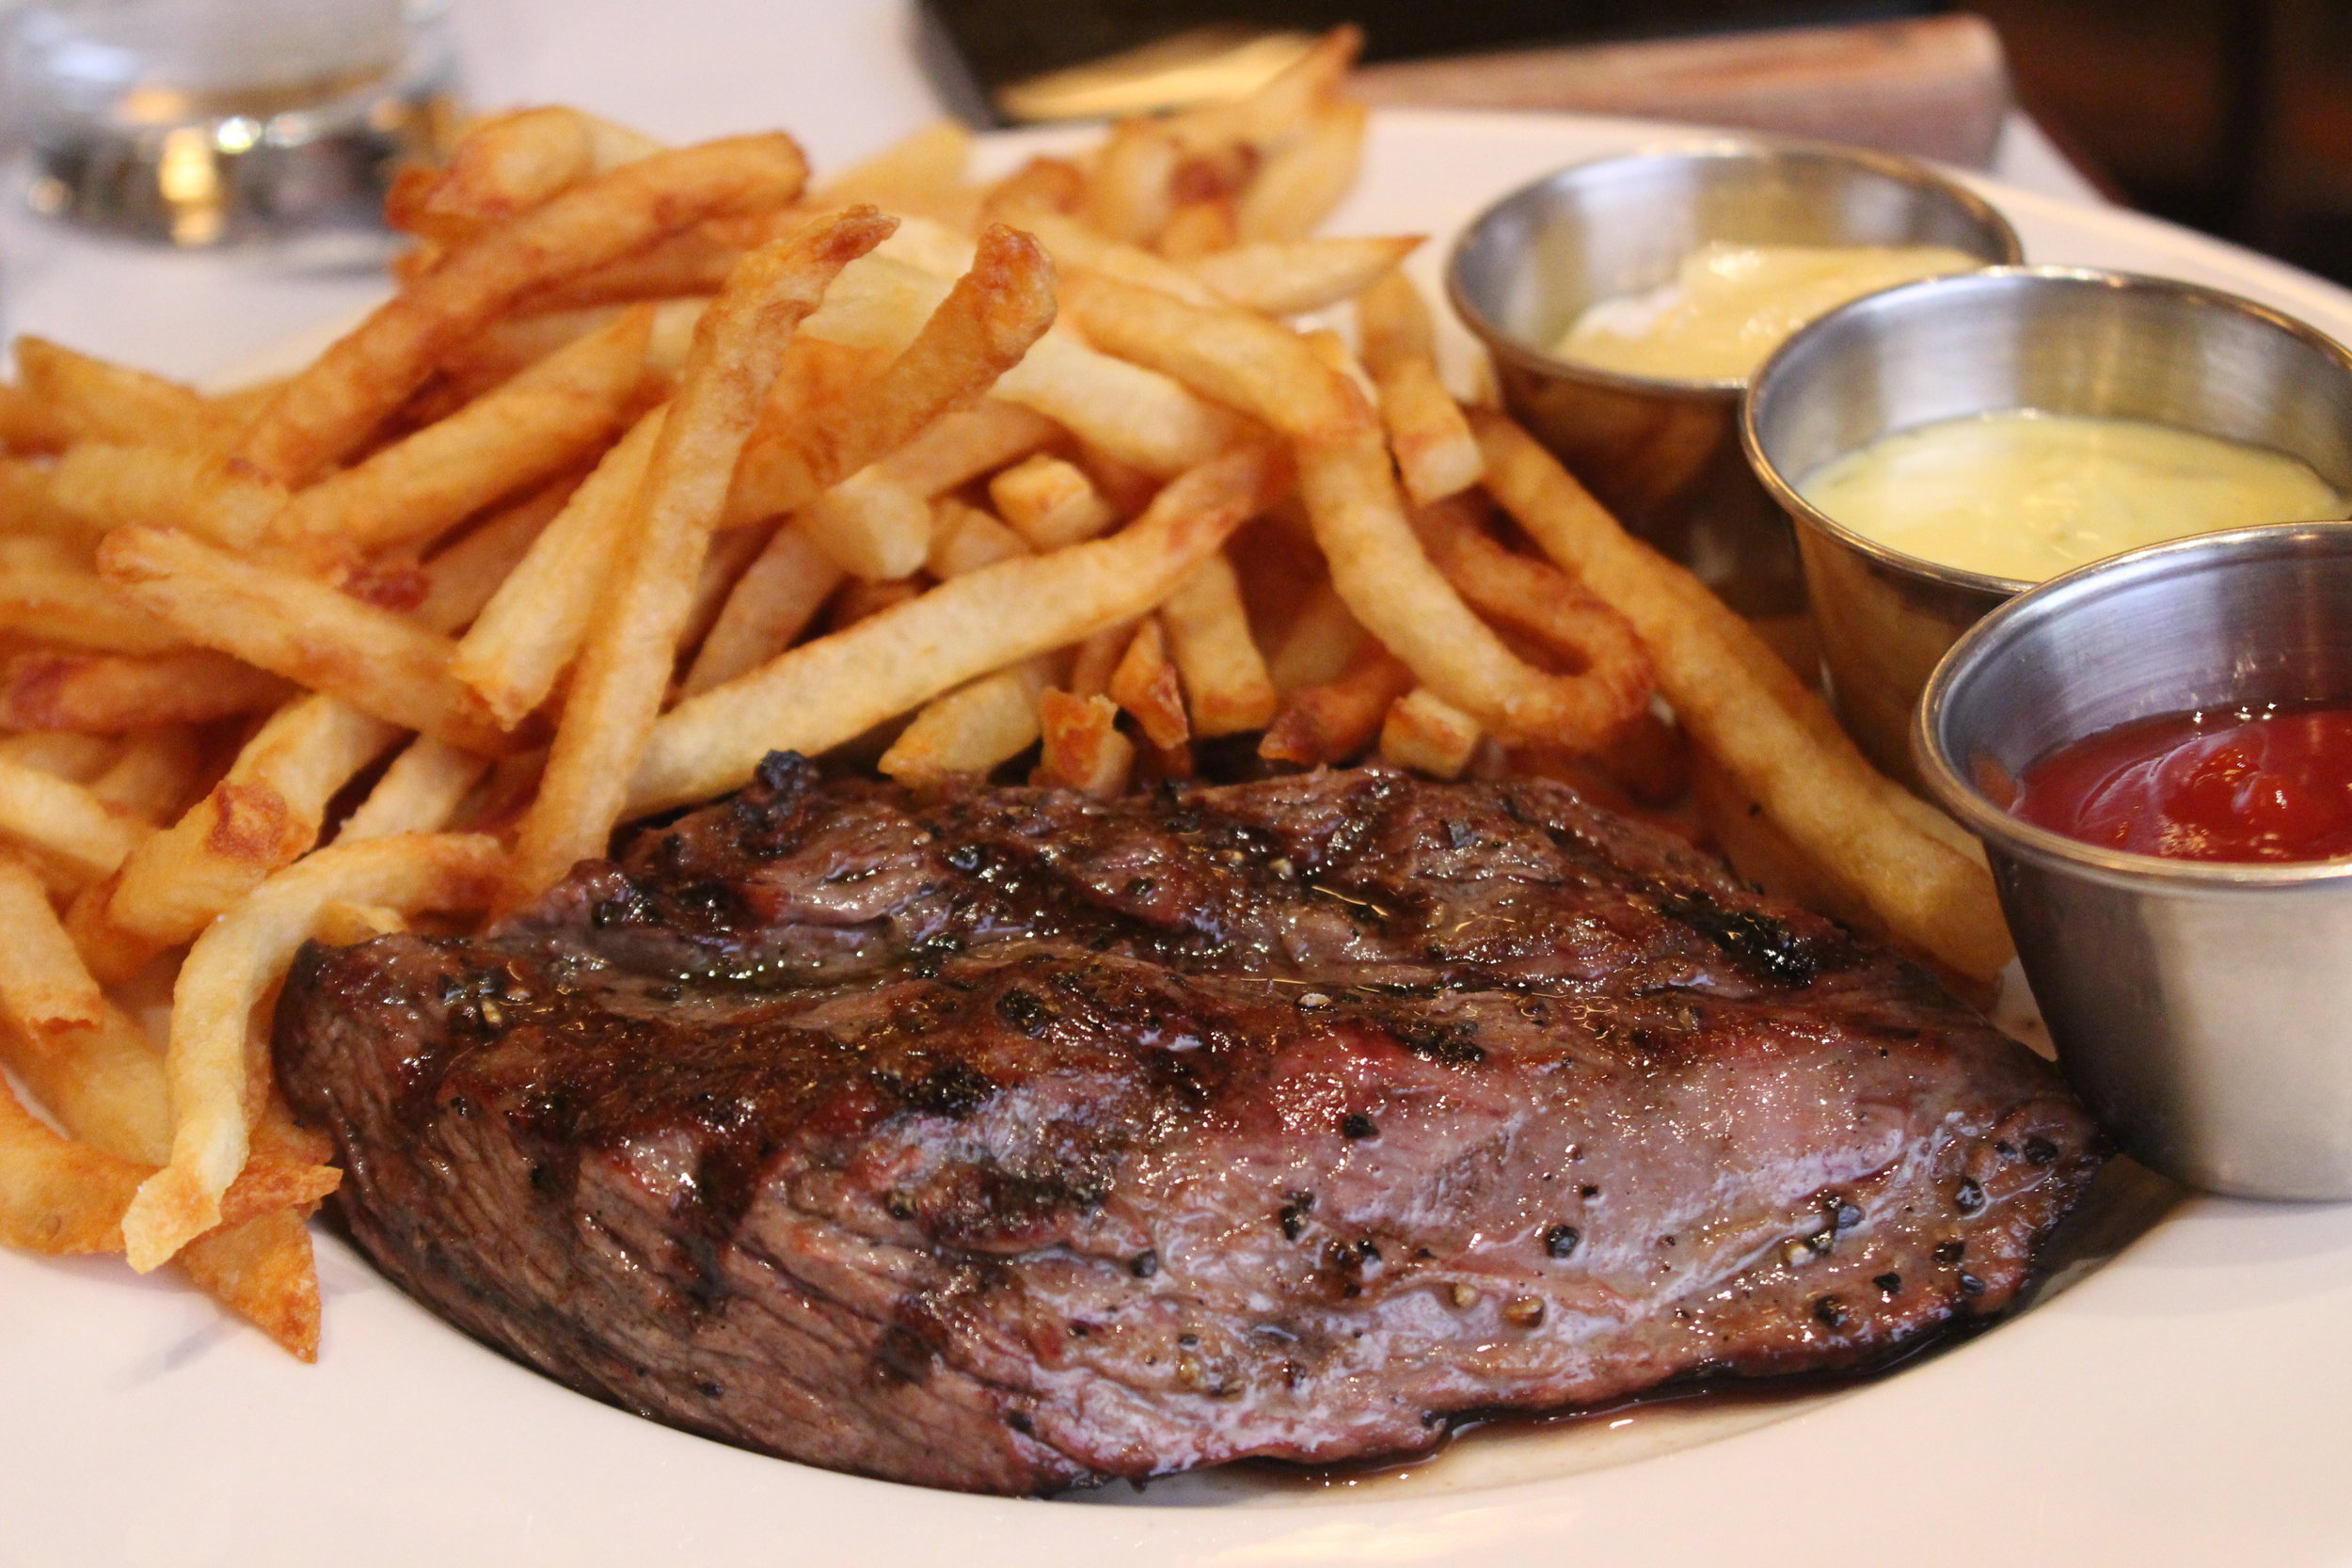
1015,1139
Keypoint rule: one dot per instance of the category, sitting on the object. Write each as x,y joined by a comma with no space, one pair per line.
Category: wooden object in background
1935,87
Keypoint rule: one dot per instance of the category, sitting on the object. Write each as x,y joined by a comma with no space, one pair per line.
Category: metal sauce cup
2203,1010
1664,454
2064,341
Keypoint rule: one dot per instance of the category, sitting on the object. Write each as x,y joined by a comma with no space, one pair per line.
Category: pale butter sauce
2027,495
1731,305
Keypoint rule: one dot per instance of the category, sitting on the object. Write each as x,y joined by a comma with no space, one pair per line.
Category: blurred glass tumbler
200,123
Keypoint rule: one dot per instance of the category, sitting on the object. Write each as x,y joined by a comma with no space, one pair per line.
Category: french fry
861,601
970,730
1226,686
1333,720
505,164
322,414
1050,503
74,606
775,600
1082,746
1096,658
1146,685
1436,456
1138,416
1197,226
625,660
731,553
95,401
921,173
965,538
1823,800
154,775
264,812
277,619
108,485
1427,733
461,579
1279,113
1298,187
1320,643
418,794
827,691
109,693
28,501
989,321
1289,278
346,923
29,425
58,1196
960,447
1079,246
78,757
263,1271
1043,184
871,525
547,418
524,638
231,968
1131,190
65,821
513,343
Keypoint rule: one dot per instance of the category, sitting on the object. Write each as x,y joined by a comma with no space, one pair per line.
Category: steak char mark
1013,1139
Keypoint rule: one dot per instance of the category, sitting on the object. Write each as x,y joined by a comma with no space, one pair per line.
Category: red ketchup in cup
2216,785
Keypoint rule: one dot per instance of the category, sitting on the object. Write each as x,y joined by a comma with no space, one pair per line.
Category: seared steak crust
1015,1139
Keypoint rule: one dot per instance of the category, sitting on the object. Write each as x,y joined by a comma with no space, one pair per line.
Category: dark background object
2231,116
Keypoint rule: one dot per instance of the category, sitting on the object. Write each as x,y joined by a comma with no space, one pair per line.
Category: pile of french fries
660,459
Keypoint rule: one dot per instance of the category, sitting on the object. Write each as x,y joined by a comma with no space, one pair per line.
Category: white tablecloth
842,75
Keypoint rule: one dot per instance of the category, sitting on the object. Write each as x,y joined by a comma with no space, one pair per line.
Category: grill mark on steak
1013,1139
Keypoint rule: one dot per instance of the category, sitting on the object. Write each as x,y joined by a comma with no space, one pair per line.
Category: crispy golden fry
1334,721
65,821
524,638
1096,657
970,730
94,400
1050,503
1233,355
346,924
965,538
872,526
1130,189
1225,685
1828,803
28,502
28,424
418,794
262,814
78,757
731,553
1082,746
1198,225
1319,644
625,659
827,691
1298,187
1427,733
110,693
229,971
859,601
1277,114
320,416
262,1270
987,321
553,415
107,485
460,580
922,174
381,662
504,165
1145,683
1538,599
155,774
960,447
74,606
1076,245
1289,278
1435,454
58,1197
1043,184
773,602
1138,416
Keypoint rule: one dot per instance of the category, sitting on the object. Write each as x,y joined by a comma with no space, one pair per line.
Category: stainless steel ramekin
2065,341
2203,1010
1664,454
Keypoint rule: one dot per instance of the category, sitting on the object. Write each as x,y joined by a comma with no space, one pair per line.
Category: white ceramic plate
2189,1403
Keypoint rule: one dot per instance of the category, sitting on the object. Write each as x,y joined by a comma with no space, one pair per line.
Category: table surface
842,75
